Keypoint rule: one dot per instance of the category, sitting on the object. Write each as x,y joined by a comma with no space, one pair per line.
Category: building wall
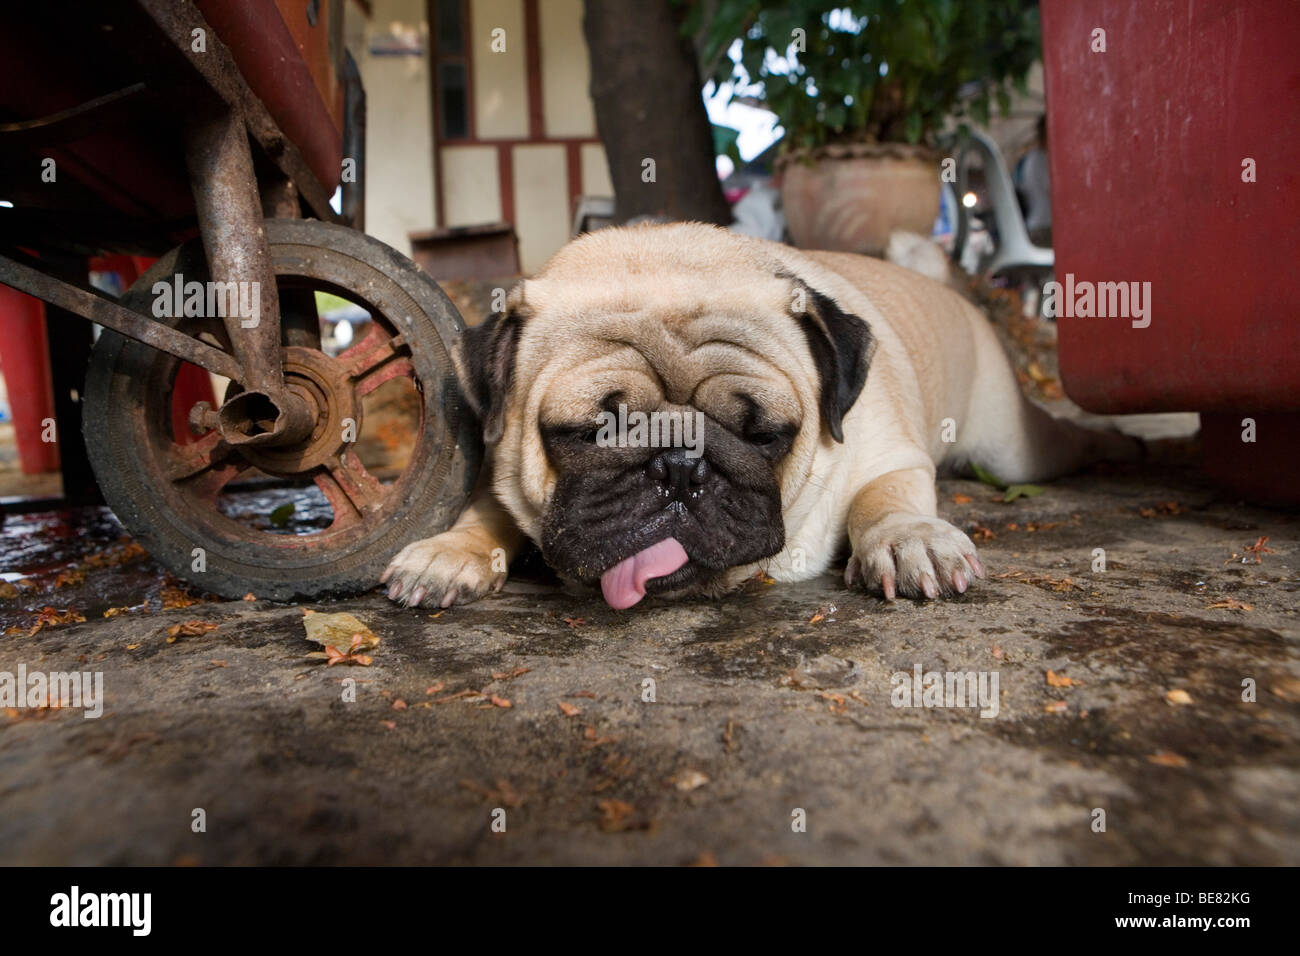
531,148
399,129
566,72
500,75
541,202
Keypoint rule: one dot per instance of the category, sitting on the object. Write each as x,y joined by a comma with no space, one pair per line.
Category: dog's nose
677,471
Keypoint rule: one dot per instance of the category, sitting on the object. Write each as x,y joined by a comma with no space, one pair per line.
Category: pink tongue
624,584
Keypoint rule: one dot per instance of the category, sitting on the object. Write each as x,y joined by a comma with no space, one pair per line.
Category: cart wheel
221,516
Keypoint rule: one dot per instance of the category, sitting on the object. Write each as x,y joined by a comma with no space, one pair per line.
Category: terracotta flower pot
849,198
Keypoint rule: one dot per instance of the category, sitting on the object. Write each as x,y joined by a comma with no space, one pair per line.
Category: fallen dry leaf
823,614
189,629
1167,758
835,703
569,710
503,794
1288,688
961,499
689,780
594,740
174,597
1045,581
70,577
499,701
460,695
48,617
127,552
1229,604
1060,680
332,655
1163,508
399,704
1178,696
341,630
1258,549
1056,707
1034,526
614,814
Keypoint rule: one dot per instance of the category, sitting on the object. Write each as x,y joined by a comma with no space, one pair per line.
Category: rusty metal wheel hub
324,384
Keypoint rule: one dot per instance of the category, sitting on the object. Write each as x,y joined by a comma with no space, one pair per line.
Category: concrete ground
1120,691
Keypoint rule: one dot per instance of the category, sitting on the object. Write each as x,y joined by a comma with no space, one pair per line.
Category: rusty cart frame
249,183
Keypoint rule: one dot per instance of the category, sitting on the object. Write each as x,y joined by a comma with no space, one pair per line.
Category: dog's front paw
913,555
449,568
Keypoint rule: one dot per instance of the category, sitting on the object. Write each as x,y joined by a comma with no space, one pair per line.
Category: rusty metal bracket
99,308
229,209
215,72
230,220
353,197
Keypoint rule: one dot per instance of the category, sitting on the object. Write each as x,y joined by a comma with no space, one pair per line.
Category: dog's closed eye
772,437
578,432
773,441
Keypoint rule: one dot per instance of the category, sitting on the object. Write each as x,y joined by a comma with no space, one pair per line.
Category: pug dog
821,392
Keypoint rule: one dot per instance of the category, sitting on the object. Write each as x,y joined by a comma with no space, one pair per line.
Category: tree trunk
645,84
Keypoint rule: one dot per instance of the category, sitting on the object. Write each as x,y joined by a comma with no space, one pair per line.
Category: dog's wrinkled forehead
679,339
683,328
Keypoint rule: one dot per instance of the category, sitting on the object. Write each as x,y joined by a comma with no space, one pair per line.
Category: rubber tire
121,369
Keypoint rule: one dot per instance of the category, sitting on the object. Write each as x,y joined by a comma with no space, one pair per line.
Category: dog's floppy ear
841,346
485,362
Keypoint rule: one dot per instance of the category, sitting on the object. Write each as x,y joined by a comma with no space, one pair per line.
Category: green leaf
914,119
987,477
724,141
281,515
1022,491
934,49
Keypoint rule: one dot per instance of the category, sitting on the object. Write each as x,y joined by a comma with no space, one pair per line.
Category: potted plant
861,88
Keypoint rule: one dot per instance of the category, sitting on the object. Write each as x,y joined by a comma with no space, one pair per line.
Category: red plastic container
26,368
1152,145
